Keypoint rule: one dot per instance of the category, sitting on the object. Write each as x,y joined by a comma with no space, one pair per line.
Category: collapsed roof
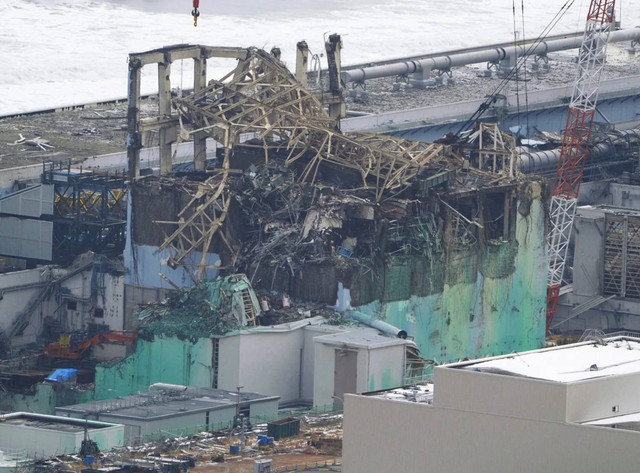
279,142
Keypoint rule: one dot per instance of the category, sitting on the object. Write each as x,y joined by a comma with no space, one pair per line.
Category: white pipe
489,55
178,388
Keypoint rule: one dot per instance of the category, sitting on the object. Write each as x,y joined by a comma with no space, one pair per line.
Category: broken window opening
462,225
498,215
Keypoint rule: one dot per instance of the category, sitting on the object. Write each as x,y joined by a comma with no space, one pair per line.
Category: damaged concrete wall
49,300
96,298
422,235
491,302
149,276
166,360
18,288
461,281
152,202
43,398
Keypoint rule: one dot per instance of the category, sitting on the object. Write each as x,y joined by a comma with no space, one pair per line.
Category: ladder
249,311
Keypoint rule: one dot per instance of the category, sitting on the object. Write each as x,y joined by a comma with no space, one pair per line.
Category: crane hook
195,12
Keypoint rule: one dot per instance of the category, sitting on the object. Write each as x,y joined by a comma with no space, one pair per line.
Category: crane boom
575,141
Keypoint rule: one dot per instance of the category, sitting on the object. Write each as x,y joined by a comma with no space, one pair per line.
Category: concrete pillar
164,109
164,87
334,49
507,215
422,79
166,136
199,138
134,140
508,63
302,62
276,53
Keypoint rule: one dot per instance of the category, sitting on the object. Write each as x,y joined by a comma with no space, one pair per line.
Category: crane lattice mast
575,142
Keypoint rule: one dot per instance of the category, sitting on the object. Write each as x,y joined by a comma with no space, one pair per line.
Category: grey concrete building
169,410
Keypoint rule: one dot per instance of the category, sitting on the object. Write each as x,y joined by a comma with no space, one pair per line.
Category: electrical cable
526,90
515,45
493,97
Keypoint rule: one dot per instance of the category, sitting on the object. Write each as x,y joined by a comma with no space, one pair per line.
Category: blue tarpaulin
62,375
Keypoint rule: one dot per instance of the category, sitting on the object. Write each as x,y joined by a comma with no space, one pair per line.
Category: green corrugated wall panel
397,279
45,399
42,402
491,303
166,360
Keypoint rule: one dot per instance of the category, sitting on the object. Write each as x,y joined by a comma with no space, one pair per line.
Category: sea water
62,52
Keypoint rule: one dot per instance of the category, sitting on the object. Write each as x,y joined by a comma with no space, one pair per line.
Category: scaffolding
621,274
90,211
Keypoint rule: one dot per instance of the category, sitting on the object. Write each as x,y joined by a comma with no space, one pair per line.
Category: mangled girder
261,100
260,104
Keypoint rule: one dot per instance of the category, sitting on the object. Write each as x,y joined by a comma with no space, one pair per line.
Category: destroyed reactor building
444,241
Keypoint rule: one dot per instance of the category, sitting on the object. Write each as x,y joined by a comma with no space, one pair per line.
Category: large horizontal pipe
538,162
446,62
384,327
176,388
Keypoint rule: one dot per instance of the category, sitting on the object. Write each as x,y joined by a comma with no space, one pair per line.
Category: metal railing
329,409
309,466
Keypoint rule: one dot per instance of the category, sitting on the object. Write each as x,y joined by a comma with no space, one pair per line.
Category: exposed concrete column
164,86
134,140
302,61
164,109
334,48
276,53
509,62
421,79
200,138
506,221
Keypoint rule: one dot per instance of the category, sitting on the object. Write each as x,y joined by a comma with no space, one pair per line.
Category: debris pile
211,307
37,142
291,195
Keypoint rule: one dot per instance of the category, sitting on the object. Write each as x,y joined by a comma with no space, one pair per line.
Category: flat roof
160,404
623,419
600,209
567,363
49,422
420,393
362,337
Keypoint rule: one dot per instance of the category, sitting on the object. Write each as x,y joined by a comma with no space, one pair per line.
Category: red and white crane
575,143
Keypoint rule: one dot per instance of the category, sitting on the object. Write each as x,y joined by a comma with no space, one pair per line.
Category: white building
356,361
569,408
309,360
44,436
305,361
